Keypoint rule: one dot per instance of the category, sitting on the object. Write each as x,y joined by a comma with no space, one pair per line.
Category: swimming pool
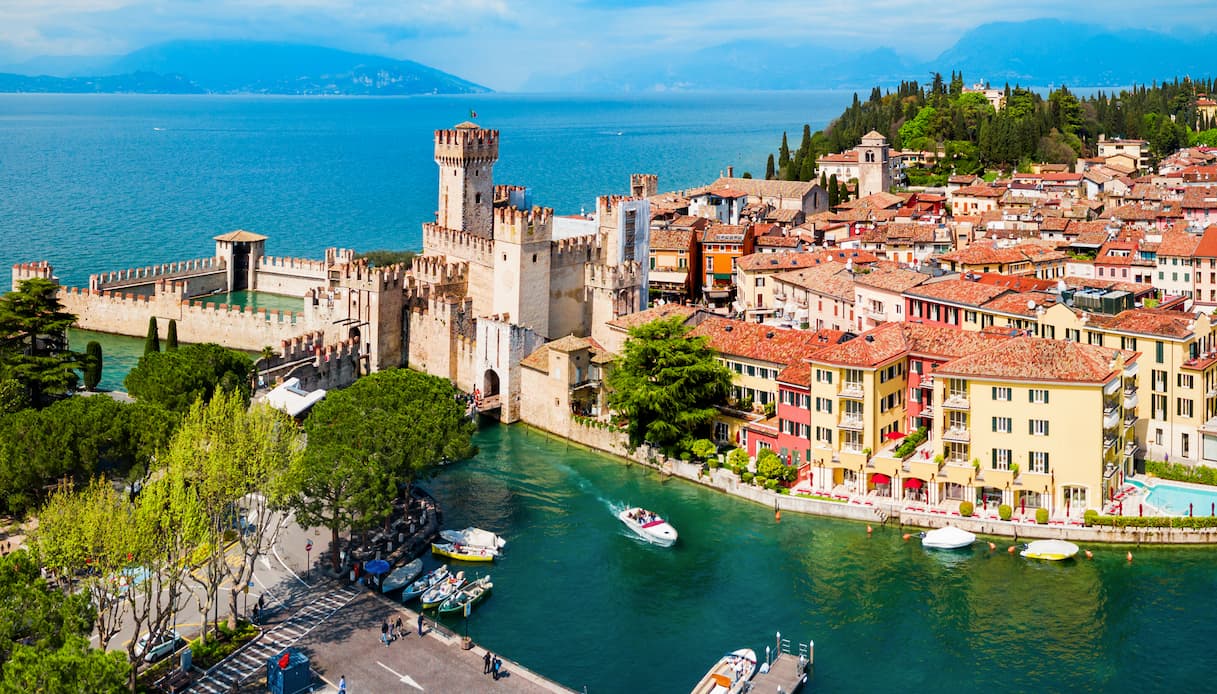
1174,499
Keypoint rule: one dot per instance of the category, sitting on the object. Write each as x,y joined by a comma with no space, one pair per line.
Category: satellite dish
1030,305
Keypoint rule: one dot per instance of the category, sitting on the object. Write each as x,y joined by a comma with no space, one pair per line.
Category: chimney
730,172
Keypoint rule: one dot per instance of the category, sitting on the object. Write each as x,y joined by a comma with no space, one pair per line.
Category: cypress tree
92,365
808,172
823,181
834,194
171,335
769,171
152,343
784,153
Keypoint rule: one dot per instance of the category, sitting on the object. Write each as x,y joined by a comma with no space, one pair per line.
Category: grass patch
818,497
221,644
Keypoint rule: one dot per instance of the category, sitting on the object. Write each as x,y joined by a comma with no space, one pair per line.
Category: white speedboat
730,674
1052,550
443,590
401,576
948,537
420,586
649,526
474,537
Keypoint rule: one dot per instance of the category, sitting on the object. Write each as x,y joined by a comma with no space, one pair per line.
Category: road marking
405,679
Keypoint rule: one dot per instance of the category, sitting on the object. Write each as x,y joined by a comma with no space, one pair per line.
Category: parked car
161,646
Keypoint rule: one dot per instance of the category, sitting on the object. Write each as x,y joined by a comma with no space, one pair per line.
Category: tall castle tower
874,166
521,266
466,155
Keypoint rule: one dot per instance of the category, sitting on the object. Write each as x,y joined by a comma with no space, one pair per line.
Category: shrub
737,459
1004,512
760,480
911,442
1090,517
712,464
966,508
1041,516
771,484
703,449
686,456
1180,472
770,465
1194,522
745,477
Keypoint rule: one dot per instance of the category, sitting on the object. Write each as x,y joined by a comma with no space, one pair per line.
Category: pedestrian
256,611
384,633
498,664
486,663
392,631
262,601
420,624
342,685
400,629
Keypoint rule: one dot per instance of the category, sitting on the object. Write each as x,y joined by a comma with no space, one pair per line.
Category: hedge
1195,522
1180,472
911,442
966,508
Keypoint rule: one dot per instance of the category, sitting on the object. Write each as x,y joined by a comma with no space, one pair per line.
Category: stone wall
289,276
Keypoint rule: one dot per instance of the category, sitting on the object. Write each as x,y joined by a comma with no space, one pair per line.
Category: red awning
893,435
880,478
913,483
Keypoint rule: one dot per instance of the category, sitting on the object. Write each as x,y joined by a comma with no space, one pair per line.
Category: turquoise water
119,354
1178,500
104,182
579,599
256,300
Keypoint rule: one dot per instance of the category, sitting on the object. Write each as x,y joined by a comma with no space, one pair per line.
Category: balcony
926,382
927,412
1111,417
1130,401
851,421
1130,419
851,448
1130,449
960,434
851,389
956,401
876,314
1109,442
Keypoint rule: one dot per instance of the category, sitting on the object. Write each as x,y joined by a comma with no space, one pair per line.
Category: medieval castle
496,279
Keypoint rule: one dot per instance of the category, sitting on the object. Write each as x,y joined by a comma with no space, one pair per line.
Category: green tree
73,667
385,258
667,385
14,396
33,613
783,154
171,335
371,440
152,342
808,172
769,170
33,339
834,191
91,365
738,459
176,379
703,449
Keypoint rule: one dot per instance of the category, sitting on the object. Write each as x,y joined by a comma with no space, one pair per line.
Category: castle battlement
435,269
438,240
199,308
374,279
644,185
504,191
269,263
150,273
613,276
40,268
518,226
606,203
466,143
301,347
339,256
573,250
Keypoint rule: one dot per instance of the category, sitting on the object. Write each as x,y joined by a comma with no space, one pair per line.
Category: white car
162,646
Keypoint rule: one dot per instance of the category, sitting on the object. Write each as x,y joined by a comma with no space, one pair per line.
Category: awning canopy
894,435
880,478
913,483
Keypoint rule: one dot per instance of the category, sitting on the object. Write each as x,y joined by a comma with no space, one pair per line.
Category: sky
502,43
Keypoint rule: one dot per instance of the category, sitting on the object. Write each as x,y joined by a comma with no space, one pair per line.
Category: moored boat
420,586
948,537
730,674
1051,550
401,576
443,590
649,526
474,537
463,552
471,594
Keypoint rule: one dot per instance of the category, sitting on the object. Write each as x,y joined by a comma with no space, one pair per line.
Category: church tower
466,155
874,166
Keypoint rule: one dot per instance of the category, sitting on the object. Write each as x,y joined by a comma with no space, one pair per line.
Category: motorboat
401,576
471,594
420,586
474,537
443,590
649,526
1051,550
948,537
463,552
730,674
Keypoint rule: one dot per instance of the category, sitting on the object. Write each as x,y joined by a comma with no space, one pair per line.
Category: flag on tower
473,114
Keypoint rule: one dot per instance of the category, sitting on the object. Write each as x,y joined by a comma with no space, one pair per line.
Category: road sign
308,545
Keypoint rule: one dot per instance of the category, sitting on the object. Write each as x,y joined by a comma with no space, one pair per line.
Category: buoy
1130,556
1089,554
992,546
869,530
777,515
1011,550
906,537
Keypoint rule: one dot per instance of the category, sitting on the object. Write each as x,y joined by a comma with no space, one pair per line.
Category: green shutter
994,424
1030,395
994,392
1045,396
994,463
1045,427
1031,426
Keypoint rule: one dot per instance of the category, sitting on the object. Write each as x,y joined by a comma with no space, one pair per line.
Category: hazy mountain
255,67
1033,53
134,83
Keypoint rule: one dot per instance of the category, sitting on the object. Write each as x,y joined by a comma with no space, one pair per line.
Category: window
1129,343
722,432
1157,437
1048,331
1185,445
1039,462
823,376
751,370
1001,458
824,405
1001,393
760,281
1158,380
710,264
534,259
1037,427
1003,425
1157,408
1038,395
969,316
1183,407
824,434
1185,380
1159,347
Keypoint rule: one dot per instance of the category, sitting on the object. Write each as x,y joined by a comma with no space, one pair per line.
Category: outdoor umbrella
376,567
894,435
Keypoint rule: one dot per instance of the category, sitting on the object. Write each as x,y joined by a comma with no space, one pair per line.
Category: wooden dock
786,676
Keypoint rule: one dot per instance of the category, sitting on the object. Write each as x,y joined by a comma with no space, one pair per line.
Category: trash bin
288,673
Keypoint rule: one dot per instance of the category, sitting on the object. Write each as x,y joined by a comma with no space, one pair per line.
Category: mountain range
233,67
1038,52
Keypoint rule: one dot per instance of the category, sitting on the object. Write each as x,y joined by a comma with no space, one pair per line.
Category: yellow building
1004,439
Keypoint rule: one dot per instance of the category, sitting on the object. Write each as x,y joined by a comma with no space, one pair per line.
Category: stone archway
490,383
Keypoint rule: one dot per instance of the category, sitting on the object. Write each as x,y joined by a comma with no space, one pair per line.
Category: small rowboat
730,674
1051,550
443,590
420,586
649,526
948,537
463,552
401,576
471,594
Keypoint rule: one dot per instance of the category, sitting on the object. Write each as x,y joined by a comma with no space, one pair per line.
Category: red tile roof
1038,359
958,291
891,340
652,314
1176,242
1148,321
829,279
797,374
776,262
763,342
891,279
978,191
1207,248
671,240
1202,198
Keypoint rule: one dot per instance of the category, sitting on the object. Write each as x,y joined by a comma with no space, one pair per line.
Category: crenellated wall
39,269
198,276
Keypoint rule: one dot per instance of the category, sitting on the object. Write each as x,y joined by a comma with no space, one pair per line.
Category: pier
787,672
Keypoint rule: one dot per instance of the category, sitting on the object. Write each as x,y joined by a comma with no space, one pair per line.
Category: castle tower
466,155
241,250
643,185
521,266
874,166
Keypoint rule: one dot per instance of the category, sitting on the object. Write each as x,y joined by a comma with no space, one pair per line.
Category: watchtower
466,155
874,165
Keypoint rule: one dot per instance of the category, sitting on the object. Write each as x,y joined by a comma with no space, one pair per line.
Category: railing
851,389
1111,417
877,314
591,382
926,382
960,434
956,401
926,411
851,422
1130,401
1109,442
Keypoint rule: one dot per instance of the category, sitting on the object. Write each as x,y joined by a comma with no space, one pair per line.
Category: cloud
502,42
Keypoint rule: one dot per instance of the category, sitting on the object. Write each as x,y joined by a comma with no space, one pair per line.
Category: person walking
342,685
498,665
400,630
384,633
486,663
392,631
420,624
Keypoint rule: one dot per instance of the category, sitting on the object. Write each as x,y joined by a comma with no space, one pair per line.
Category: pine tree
152,343
171,335
769,172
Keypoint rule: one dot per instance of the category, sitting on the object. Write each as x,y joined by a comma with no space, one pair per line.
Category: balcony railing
960,434
926,382
1109,442
851,421
1130,420
1111,417
926,411
851,389
956,401
876,313
851,448
1130,401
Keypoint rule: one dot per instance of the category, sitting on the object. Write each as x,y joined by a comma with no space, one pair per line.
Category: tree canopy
667,385
368,441
176,378
33,339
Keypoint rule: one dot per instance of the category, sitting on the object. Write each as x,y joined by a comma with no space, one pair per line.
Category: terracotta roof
776,262
1207,248
1135,288
1038,359
964,179
985,254
539,359
847,157
771,241
1147,321
874,201
891,340
1021,303
798,374
958,291
891,279
1203,198
724,192
829,279
671,240
1019,283
715,233
978,192
762,188
763,342
652,314
240,235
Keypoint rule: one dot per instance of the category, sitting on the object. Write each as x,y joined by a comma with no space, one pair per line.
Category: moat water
104,182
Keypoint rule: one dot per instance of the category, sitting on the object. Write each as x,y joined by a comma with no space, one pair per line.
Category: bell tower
874,165
466,155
